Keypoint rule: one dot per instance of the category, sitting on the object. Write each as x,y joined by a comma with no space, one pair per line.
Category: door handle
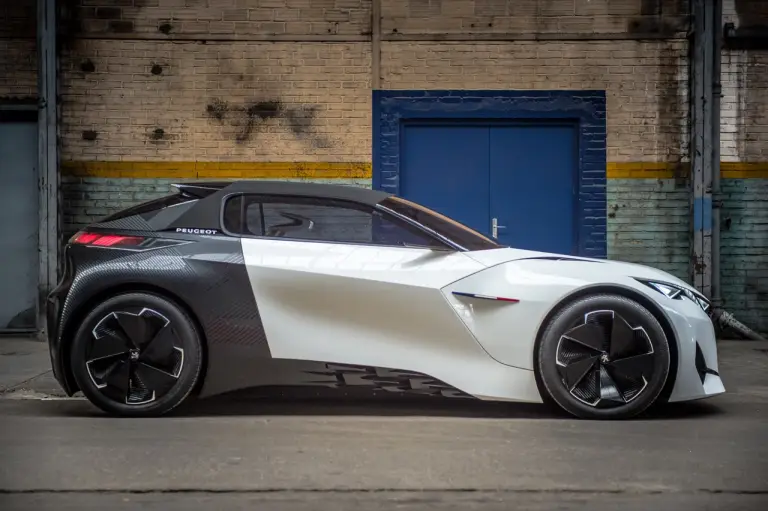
495,227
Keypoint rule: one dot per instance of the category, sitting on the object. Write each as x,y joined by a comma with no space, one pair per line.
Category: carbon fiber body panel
207,275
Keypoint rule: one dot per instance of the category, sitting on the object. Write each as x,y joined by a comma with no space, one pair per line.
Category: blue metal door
445,167
533,186
523,176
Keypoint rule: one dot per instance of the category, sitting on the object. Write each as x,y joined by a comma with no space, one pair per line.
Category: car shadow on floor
276,403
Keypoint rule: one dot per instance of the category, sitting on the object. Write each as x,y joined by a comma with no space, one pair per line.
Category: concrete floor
239,453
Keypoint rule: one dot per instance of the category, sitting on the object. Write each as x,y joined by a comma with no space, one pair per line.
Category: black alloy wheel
137,354
604,357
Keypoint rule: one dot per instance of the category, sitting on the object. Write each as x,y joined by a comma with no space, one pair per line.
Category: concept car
224,286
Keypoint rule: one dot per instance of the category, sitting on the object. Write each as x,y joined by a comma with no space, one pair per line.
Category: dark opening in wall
87,66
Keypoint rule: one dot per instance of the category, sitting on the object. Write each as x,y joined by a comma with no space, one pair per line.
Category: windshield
441,224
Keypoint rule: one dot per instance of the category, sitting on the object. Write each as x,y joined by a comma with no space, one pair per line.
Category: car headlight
675,292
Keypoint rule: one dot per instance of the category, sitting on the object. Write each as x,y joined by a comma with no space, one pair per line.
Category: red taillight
105,240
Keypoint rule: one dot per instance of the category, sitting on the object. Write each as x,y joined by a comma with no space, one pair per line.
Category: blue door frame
391,109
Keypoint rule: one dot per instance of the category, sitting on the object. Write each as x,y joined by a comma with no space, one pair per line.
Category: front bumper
697,374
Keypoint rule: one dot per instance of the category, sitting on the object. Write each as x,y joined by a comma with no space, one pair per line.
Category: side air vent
701,365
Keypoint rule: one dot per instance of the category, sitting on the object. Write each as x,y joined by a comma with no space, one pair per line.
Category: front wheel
137,355
603,357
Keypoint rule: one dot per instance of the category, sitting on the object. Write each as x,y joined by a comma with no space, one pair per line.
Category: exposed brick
645,82
649,223
18,19
322,93
744,252
526,16
18,68
192,19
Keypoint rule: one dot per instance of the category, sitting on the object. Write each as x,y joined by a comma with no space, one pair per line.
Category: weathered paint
744,250
649,223
354,170
217,170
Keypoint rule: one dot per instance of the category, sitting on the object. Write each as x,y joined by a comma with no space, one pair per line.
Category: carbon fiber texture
378,378
208,275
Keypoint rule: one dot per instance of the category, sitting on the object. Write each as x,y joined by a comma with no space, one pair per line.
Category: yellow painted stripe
645,170
739,170
353,170
217,170
661,170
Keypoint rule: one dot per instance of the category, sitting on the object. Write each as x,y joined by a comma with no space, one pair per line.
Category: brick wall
18,50
222,101
158,91
221,81
744,152
163,81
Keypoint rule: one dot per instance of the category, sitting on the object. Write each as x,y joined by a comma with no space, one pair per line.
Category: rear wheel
603,357
137,354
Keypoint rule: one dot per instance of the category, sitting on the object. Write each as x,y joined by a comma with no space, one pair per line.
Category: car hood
610,267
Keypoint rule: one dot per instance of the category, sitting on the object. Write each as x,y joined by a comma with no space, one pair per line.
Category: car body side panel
207,273
374,306
508,330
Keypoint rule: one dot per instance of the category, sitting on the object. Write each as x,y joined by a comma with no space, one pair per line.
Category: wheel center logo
134,354
604,358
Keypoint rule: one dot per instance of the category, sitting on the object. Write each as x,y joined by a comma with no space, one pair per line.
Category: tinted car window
232,217
441,224
328,220
312,221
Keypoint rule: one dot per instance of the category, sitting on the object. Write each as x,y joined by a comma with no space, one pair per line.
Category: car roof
287,188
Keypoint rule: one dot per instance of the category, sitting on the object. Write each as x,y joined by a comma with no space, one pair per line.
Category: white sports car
223,286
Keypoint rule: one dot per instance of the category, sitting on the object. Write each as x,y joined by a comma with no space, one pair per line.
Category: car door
342,282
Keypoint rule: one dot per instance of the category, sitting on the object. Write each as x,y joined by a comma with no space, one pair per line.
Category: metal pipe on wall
48,157
717,23
702,143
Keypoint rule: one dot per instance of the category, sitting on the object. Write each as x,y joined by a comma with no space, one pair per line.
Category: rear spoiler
200,190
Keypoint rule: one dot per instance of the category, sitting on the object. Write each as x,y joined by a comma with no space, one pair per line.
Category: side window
303,218
232,216
242,215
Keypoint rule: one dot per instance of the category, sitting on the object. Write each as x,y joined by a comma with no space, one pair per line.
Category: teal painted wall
744,250
649,223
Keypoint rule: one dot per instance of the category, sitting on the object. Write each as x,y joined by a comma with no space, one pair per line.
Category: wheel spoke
99,367
590,335
136,328
608,390
576,371
117,379
160,350
633,368
623,341
154,379
108,345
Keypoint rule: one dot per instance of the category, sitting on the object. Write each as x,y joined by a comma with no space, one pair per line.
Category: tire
603,357
137,355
